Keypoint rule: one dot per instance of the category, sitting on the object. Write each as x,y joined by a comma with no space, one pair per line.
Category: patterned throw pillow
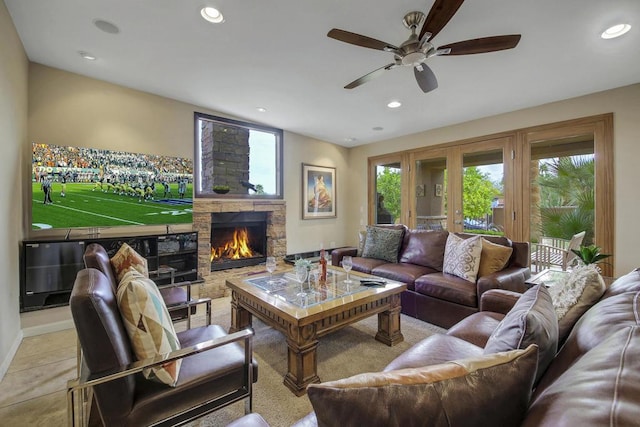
493,258
462,257
148,324
583,288
382,243
125,258
487,390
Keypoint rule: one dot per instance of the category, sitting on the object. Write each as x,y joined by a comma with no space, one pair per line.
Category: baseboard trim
4,367
49,327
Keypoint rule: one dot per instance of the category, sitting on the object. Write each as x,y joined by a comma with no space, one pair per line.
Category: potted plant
590,254
221,189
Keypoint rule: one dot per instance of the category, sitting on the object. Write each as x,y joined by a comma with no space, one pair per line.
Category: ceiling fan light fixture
212,14
394,104
615,31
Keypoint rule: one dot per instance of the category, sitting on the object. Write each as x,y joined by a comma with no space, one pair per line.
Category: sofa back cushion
425,248
596,325
488,390
382,243
462,257
532,320
630,282
600,389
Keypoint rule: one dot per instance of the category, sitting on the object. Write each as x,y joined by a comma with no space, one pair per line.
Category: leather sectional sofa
433,296
592,380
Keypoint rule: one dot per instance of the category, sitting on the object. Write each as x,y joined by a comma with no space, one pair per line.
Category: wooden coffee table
328,308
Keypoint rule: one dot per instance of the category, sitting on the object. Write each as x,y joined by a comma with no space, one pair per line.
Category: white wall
13,131
623,102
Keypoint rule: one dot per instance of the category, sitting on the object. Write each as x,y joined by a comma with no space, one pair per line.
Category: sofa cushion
532,320
448,287
126,258
462,257
405,273
600,389
433,350
366,265
362,236
425,248
382,243
599,322
486,391
583,288
630,282
148,324
476,328
494,257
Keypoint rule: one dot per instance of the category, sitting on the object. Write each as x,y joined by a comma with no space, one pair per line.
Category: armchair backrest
96,256
574,243
104,341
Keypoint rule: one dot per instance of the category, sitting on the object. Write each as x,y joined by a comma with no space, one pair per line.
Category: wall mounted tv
86,187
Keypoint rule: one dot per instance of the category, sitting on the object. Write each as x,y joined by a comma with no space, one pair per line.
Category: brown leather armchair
216,370
176,296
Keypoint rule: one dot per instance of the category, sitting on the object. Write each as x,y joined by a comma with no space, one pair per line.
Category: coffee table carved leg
389,324
240,318
302,361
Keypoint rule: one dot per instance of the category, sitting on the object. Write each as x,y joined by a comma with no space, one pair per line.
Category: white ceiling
275,54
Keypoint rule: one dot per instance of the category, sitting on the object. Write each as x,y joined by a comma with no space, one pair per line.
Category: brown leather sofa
433,296
592,380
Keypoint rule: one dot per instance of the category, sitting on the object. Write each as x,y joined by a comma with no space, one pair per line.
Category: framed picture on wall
318,192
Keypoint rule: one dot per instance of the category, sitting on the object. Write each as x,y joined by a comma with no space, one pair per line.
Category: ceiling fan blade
440,14
482,45
372,75
360,40
425,77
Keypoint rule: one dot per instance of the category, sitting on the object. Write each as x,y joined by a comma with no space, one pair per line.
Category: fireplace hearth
238,239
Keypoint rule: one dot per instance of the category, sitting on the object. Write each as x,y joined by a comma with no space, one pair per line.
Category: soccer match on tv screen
86,187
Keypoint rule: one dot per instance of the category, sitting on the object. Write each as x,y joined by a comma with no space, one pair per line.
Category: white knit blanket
566,295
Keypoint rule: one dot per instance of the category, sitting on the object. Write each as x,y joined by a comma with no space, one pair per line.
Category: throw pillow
583,288
532,320
125,258
362,236
148,324
494,257
485,391
382,243
462,257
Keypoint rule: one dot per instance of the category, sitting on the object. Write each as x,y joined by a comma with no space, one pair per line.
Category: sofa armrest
498,300
511,279
339,253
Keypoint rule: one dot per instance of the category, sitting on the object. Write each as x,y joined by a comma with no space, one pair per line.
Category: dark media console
48,267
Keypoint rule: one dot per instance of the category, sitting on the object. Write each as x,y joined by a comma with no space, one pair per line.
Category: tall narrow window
237,159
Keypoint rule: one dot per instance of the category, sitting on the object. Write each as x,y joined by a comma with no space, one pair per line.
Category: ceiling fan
417,49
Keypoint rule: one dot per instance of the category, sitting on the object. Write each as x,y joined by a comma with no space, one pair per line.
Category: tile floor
33,391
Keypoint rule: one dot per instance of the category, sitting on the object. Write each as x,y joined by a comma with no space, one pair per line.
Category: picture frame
319,189
438,190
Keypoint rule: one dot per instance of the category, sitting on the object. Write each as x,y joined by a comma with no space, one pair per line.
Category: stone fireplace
274,213
238,239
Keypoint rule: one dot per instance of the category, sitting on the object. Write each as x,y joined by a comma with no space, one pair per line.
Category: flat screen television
87,187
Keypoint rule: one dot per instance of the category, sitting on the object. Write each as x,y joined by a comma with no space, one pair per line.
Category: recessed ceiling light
105,26
394,104
212,14
350,139
87,56
378,128
615,31
261,109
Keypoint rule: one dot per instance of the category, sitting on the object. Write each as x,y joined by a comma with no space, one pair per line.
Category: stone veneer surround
215,282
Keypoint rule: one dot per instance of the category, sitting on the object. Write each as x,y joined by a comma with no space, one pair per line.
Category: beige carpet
347,352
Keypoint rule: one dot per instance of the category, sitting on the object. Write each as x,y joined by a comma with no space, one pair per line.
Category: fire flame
236,248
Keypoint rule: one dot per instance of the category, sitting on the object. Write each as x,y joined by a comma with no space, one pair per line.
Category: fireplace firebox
238,239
